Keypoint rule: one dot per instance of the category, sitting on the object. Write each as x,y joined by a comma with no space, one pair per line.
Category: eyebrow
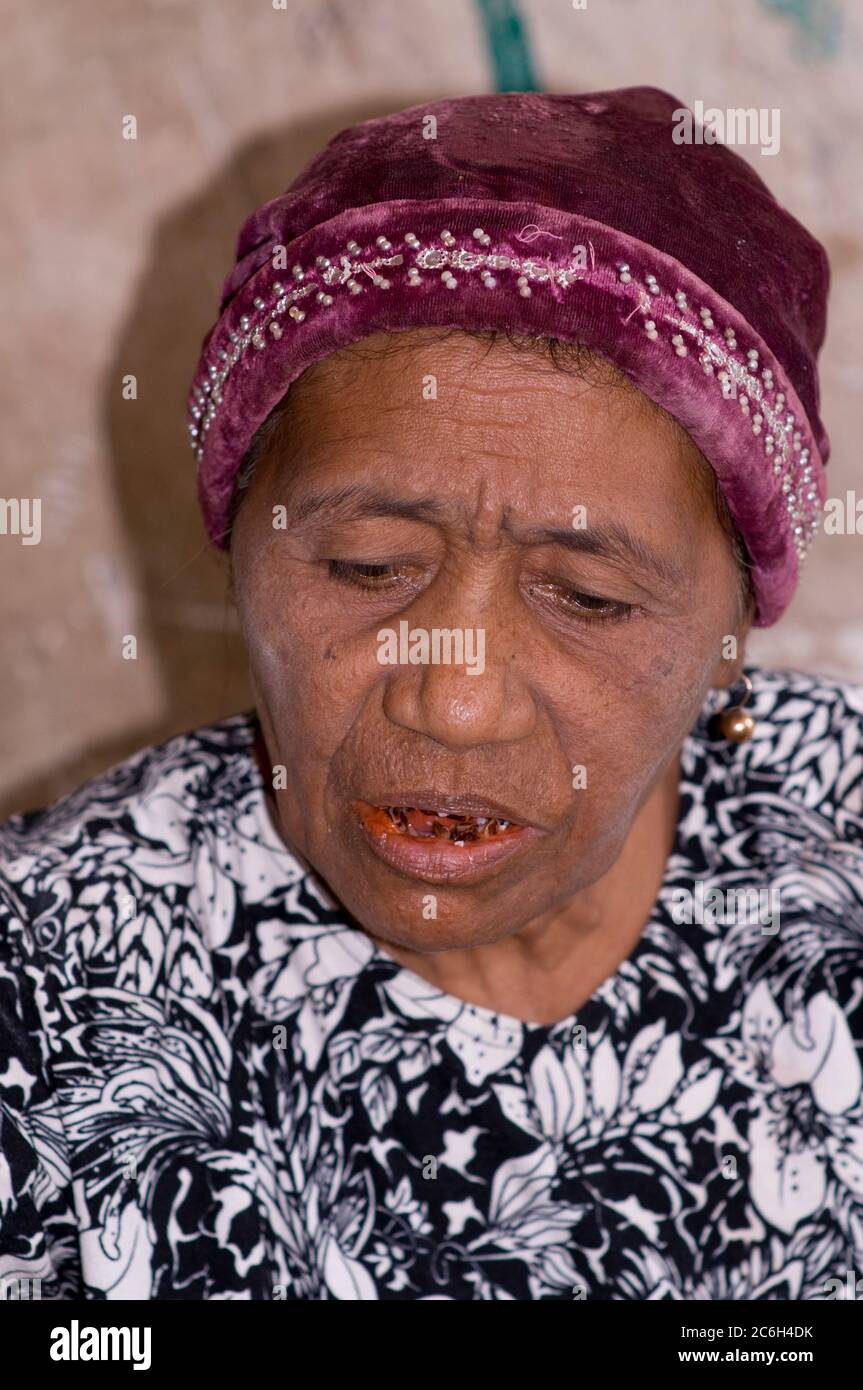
609,540
361,501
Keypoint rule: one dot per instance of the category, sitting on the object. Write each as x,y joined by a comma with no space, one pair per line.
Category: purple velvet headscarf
576,217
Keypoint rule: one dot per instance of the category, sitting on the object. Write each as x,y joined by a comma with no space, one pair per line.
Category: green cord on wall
508,46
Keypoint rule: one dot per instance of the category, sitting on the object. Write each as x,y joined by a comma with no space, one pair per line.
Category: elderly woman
508,950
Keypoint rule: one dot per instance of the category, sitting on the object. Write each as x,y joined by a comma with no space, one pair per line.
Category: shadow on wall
188,625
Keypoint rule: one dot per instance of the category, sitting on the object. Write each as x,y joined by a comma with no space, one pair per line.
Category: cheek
621,714
309,682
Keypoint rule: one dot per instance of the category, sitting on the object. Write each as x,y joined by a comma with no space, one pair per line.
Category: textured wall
115,251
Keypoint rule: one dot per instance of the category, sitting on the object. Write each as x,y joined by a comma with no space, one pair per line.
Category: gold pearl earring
735,723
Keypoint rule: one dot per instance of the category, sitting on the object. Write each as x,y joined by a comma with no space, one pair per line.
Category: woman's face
566,534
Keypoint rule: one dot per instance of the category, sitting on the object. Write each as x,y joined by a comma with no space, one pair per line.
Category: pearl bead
737,725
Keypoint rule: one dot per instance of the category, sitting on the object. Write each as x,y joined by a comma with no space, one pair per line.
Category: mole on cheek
663,669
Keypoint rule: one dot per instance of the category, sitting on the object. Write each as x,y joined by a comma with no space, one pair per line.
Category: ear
732,653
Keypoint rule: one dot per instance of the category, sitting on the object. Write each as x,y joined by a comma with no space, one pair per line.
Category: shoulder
808,742
788,811
191,767
814,701
779,820
127,847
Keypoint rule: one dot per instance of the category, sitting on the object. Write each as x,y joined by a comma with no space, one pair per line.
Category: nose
462,708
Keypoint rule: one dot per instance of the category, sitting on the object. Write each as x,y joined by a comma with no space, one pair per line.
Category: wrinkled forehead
455,398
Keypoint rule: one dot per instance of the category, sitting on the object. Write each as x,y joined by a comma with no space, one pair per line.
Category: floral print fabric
214,1085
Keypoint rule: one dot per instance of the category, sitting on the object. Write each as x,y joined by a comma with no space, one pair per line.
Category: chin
432,916
452,930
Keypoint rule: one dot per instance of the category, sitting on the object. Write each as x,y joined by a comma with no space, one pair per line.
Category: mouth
449,838
456,827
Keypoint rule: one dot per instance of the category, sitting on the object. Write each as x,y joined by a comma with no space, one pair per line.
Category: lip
442,861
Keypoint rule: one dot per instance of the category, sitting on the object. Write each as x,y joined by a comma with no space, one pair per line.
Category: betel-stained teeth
448,825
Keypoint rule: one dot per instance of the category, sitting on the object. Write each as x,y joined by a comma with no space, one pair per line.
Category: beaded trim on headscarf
743,380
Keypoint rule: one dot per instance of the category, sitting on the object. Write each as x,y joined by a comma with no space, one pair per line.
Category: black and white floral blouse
214,1085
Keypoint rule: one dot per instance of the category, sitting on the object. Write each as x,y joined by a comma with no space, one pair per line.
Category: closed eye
363,576
592,608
